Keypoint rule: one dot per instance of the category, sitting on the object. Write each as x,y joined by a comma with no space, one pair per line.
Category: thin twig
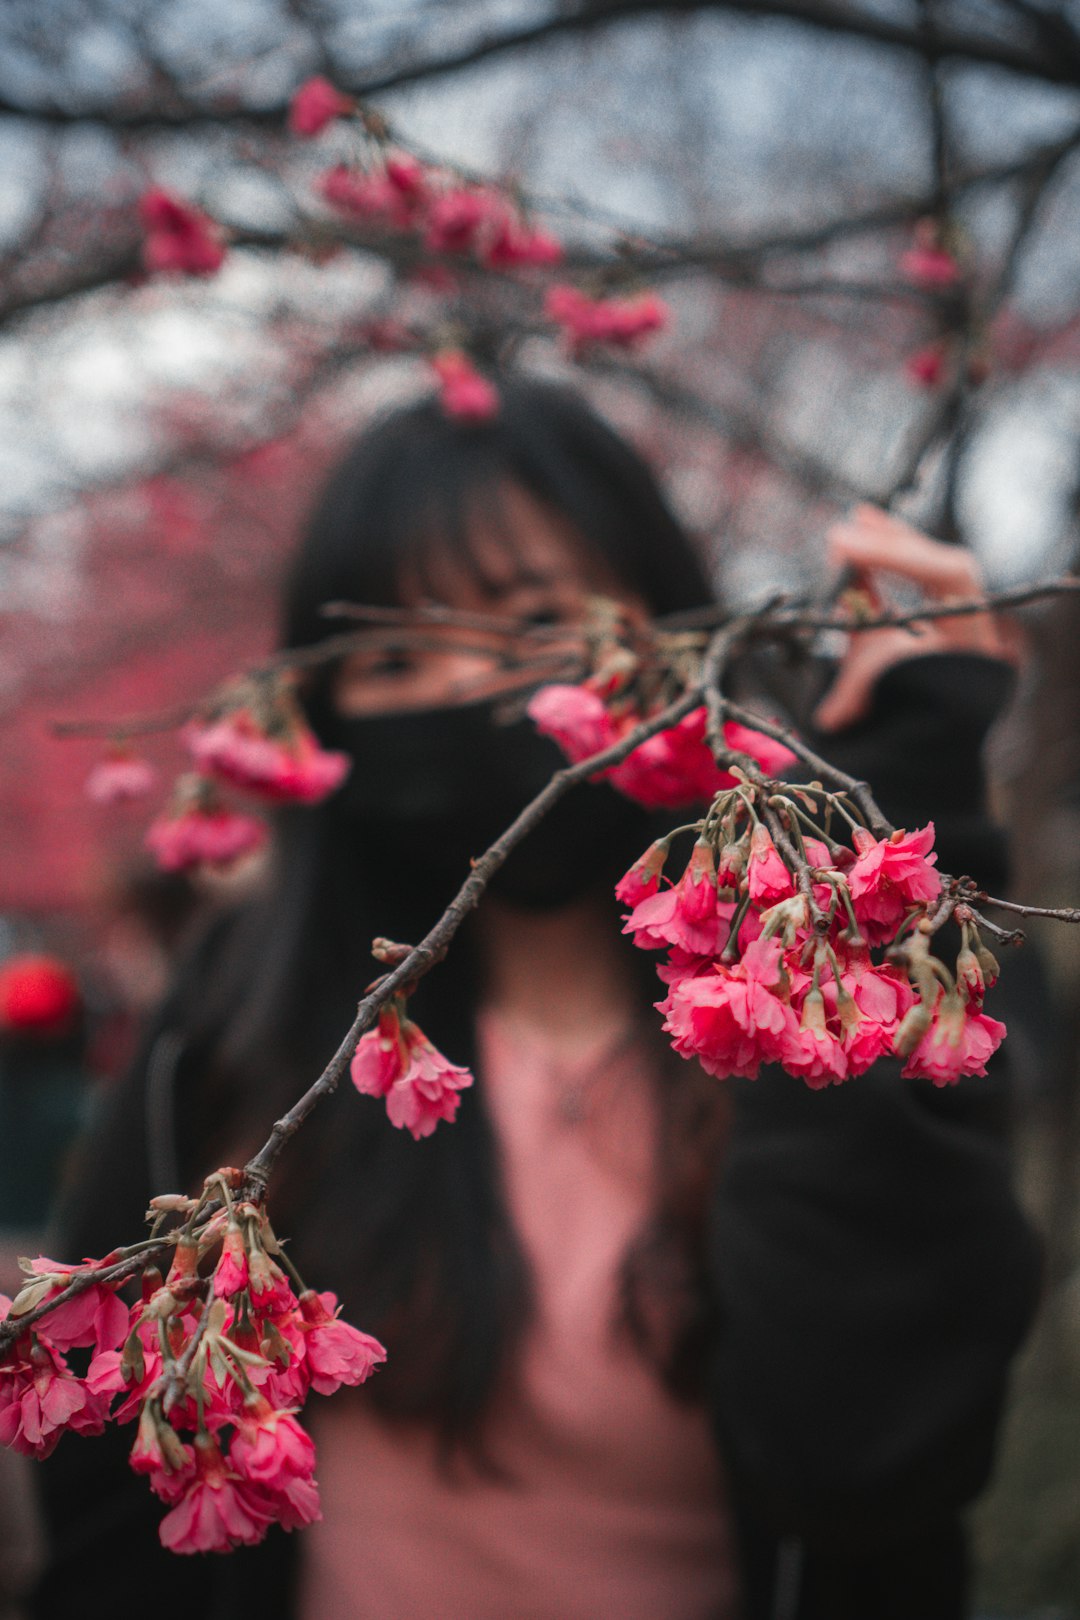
433,946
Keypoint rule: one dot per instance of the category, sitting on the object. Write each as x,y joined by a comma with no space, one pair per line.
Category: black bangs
418,485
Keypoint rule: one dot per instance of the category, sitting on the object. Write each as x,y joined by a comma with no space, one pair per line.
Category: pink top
614,1504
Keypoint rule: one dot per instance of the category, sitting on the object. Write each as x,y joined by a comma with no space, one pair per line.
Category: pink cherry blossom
218,1510
672,769
643,878
677,768
622,322
455,219
463,393
661,920
734,1019
511,242
293,1504
889,876
929,267
231,1271
316,104
105,1376
428,1091
161,1455
880,991
40,1397
371,197
178,237
408,178
95,1317
680,965
337,1353
865,1043
959,1042
690,916
867,1007
774,757
278,1336
380,1057
268,1286
767,877
291,768
816,1055
576,717
420,1086
119,780
270,1446
197,837
970,976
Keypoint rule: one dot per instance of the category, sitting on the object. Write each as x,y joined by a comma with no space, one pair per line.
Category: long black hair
414,1237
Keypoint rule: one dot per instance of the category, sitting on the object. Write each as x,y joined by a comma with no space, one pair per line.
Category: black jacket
873,1276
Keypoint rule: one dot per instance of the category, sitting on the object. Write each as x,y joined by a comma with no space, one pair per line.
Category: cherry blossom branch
431,949
991,602
1069,914
703,687
405,628
856,790
13,1327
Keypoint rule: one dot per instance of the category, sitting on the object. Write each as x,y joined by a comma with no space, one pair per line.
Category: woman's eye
391,664
539,617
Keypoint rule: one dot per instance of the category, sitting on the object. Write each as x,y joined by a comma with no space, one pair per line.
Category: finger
871,539
870,653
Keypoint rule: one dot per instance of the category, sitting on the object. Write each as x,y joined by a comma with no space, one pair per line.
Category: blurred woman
657,1346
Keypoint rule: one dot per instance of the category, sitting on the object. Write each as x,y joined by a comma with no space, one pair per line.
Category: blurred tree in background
782,174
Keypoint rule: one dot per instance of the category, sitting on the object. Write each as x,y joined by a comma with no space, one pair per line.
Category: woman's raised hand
877,545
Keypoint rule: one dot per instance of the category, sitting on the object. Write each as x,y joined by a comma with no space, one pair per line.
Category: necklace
573,1080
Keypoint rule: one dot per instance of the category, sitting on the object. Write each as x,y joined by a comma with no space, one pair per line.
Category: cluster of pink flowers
623,323
179,238
275,758
316,104
396,1061
199,829
769,956
463,392
214,1367
120,778
448,217
674,768
255,739
40,1395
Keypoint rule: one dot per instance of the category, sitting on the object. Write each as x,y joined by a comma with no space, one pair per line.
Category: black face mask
433,788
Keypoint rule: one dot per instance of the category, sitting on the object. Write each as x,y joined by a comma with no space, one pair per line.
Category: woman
609,1271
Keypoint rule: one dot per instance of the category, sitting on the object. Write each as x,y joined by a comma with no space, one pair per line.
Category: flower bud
185,1264
813,1011
988,962
969,975
911,1029
697,887
132,1360
643,878
732,864
847,1009
951,1016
